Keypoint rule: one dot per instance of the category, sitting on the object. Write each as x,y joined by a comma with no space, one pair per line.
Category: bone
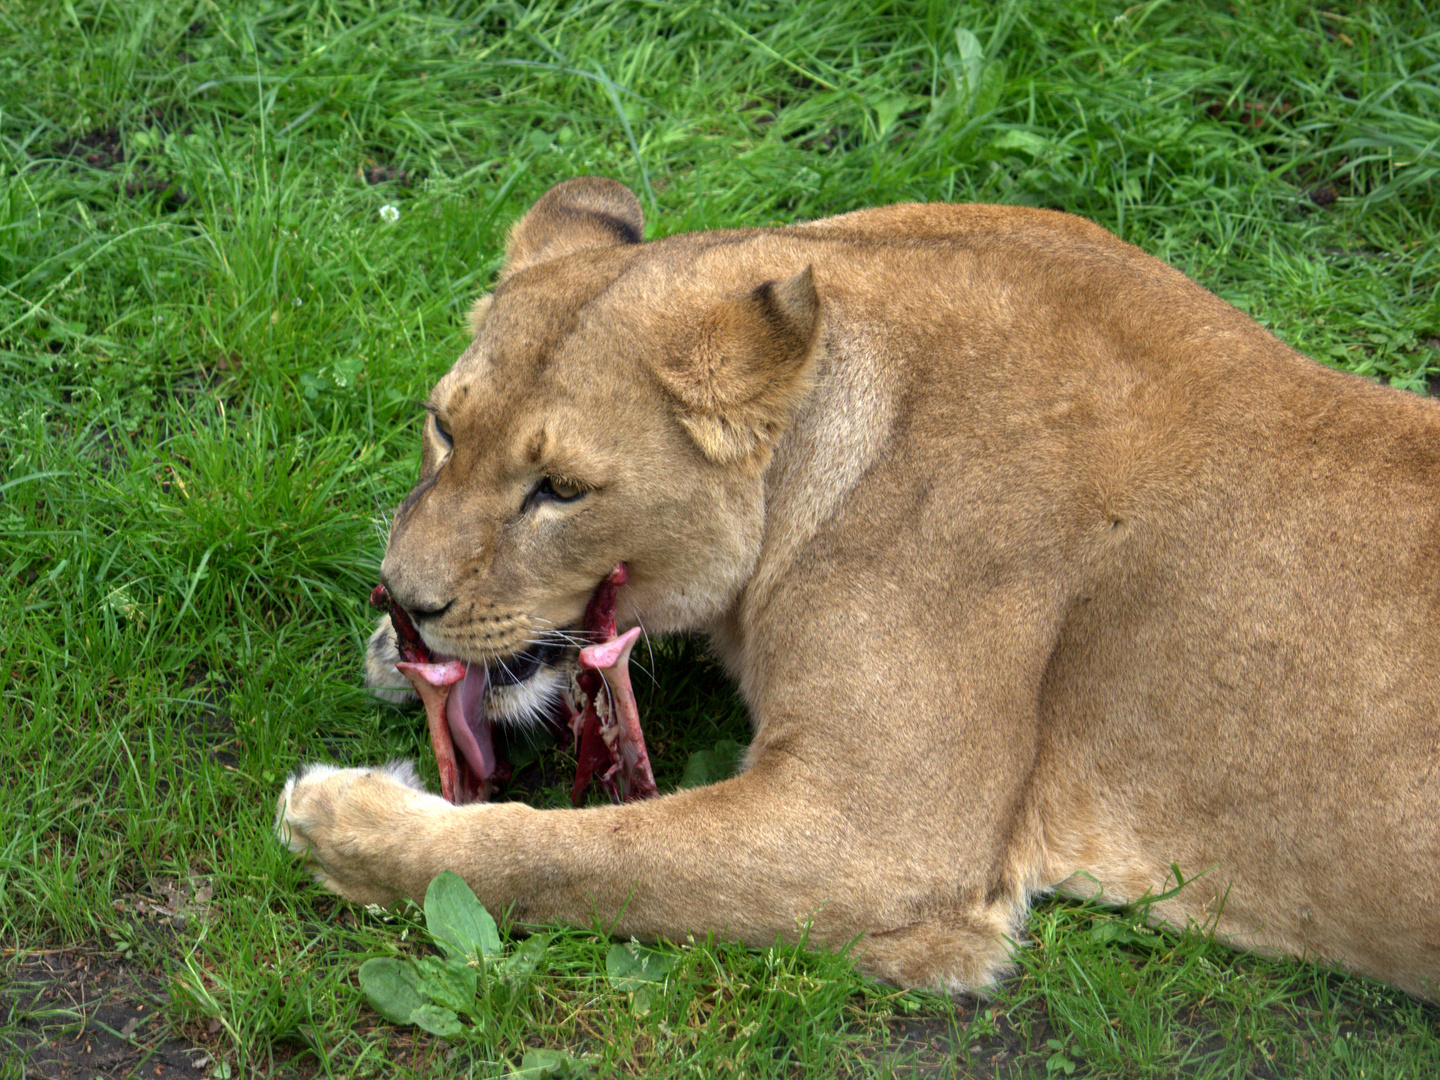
619,719
433,683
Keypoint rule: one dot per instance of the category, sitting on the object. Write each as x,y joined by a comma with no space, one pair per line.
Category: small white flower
296,301
390,213
157,319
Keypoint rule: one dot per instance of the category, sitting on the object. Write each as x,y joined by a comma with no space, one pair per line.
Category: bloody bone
450,715
604,722
407,638
609,745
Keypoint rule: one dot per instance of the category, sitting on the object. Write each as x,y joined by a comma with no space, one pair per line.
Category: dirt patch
979,1040
104,149
101,148
375,175
80,1013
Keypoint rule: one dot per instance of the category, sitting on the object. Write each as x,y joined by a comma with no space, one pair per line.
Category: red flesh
592,755
609,745
407,639
614,715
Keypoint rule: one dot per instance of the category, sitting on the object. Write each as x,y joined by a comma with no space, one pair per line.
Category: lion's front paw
353,827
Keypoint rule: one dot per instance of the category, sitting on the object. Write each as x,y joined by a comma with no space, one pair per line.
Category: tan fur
1038,567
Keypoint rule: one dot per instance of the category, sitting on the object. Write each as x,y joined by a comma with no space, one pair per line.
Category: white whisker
650,670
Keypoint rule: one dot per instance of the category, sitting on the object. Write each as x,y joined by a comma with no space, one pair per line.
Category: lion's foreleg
744,858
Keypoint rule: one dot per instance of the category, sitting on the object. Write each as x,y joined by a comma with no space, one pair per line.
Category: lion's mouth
516,669
604,722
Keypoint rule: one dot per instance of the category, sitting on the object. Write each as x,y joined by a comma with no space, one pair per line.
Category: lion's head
618,404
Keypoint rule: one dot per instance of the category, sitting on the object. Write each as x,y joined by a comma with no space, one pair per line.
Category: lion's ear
587,212
747,366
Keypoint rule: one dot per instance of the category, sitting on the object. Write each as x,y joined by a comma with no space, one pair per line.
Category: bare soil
81,1013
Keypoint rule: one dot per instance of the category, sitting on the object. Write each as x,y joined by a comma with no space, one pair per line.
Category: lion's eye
559,489
443,433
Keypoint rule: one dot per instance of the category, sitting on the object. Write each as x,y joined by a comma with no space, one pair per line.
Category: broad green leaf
345,370
437,1020
525,959
457,921
631,966
975,85
1059,1062
538,1064
523,752
992,85
887,109
713,765
1113,931
1020,139
449,983
392,987
972,58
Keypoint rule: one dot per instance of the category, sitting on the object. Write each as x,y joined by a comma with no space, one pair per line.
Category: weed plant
236,245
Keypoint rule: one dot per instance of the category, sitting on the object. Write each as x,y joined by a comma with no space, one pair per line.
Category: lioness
1038,566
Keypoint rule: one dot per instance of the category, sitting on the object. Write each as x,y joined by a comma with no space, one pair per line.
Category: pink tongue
465,713
456,717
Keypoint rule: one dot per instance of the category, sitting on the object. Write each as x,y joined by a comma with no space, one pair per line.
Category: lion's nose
417,606
420,614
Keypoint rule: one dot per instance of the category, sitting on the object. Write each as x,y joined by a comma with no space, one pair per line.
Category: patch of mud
980,1040
374,175
75,1014
101,148
104,149
990,1040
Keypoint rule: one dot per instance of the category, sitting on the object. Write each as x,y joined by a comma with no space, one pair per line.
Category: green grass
210,348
